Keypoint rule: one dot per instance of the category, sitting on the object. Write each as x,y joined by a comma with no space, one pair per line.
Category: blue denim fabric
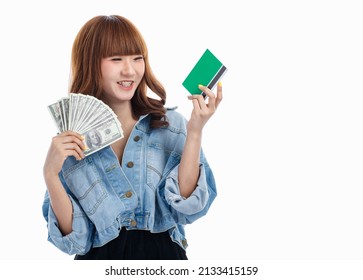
143,195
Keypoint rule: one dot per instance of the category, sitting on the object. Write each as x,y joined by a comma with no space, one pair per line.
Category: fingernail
85,147
219,84
82,137
200,85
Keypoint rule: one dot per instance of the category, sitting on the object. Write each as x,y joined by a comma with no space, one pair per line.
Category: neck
123,110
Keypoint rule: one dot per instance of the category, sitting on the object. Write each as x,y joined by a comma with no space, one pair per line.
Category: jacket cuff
195,202
76,242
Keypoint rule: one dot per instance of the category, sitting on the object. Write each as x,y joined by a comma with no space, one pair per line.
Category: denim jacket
141,194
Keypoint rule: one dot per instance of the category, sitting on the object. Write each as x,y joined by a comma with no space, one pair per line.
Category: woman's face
121,75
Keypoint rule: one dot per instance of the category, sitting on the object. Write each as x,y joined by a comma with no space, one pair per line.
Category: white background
285,144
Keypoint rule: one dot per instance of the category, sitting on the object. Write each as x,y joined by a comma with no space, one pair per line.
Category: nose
127,67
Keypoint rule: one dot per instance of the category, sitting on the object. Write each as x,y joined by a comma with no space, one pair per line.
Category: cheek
106,69
105,73
141,71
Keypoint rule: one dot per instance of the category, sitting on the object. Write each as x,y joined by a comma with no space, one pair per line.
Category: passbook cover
207,72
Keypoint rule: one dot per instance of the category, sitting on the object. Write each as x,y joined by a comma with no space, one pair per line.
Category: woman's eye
116,59
139,58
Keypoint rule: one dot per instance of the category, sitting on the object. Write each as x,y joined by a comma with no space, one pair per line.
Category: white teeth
125,84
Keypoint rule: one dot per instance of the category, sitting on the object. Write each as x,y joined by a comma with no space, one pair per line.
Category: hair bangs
120,37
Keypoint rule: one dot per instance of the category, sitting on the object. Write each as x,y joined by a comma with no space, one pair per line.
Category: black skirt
137,245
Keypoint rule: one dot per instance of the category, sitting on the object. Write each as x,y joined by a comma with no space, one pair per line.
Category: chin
125,96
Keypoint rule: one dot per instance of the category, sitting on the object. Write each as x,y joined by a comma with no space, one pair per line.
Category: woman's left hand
202,111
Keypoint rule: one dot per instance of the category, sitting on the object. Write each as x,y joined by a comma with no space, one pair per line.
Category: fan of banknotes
88,116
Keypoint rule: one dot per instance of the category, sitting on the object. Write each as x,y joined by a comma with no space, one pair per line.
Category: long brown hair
105,36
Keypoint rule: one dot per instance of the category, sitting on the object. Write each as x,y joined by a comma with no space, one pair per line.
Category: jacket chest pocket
86,184
159,164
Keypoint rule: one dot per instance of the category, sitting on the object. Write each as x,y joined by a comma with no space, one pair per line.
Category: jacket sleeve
187,210
79,241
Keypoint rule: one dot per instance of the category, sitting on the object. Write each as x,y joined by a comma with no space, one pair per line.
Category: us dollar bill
101,136
89,117
54,110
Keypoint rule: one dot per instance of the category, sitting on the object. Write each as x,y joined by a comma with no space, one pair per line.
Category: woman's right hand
65,144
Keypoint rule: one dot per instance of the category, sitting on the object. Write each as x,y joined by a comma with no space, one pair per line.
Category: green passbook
207,72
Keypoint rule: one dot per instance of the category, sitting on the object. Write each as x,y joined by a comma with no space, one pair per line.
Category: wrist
194,135
50,176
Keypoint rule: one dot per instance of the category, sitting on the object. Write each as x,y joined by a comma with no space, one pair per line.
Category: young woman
131,199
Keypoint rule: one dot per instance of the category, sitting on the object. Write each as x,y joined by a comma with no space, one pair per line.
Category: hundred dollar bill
62,115
88,116
86,108
101,136
55,112
65,108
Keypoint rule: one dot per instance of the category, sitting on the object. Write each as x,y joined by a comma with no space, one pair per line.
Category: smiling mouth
125,83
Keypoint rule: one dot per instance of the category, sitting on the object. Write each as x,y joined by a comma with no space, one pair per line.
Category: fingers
71,133
76,153
65,144
198,101
213,100
71,136
74,147
70,143
219,94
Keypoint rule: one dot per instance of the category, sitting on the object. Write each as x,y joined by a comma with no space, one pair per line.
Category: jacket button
184,243
130,164
128,194
136,138
133,223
